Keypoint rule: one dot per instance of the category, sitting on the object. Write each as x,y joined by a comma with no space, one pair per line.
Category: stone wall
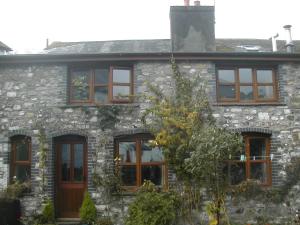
35,96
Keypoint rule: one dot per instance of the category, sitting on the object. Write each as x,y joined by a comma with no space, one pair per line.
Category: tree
195,148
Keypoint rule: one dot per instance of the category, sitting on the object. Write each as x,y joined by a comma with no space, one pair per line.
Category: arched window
140,160
255,162
20,158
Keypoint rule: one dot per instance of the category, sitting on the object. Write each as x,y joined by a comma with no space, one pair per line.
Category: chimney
289,41
186,2
192,28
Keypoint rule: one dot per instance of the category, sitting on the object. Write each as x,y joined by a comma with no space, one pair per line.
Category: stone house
80,93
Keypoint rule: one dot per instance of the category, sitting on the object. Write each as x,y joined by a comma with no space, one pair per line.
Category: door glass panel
227,92
264,76
121,76
259,172
22,151
246,92
265,92
22,172
128,175
245,75
101,76
78,162
65,162
226,76
121,92
151,153
127,152
237,173
153,174
257,149
101,94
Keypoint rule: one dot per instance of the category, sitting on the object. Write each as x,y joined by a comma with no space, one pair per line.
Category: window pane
101,76
127,152
121,92
101,94
237,173
80,93
80,82
246,92
227,92
245,75
151,153
264,76
78,162
259,172
128,175
22,172
265,92
121,76
152,173
22,150
226,76
65,162
257,148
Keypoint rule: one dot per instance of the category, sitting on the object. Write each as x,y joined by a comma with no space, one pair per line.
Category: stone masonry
36,95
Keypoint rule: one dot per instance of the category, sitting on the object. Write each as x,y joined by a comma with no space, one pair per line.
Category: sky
26,24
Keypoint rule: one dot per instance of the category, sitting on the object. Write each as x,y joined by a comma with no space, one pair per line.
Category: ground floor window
254,163
140,159
20,160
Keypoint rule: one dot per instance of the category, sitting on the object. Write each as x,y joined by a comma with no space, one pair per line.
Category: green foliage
15,190
104,221
88,211
194,147
48,215
42,156
152,207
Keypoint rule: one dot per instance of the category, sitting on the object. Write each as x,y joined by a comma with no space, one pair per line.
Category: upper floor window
101,85
20,158
140,160
246,85
254,163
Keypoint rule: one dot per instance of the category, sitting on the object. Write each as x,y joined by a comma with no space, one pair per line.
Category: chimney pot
289,41
186,2
197,3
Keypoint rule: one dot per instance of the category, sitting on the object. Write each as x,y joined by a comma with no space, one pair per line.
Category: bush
88,211
47,215
104,221
152,207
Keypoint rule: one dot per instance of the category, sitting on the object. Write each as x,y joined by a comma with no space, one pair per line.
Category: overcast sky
25,24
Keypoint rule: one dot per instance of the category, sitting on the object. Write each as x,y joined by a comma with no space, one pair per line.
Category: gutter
165,56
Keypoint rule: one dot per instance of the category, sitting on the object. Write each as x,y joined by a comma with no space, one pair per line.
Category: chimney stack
197,3
186,2
193,28
289,41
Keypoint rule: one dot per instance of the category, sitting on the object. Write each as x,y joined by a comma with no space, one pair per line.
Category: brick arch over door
252,130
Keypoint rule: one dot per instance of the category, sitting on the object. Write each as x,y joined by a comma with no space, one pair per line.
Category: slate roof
4,47
161,46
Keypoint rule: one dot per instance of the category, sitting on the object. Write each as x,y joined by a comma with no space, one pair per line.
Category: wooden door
71,177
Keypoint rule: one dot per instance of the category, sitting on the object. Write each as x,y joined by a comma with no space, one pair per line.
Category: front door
71,175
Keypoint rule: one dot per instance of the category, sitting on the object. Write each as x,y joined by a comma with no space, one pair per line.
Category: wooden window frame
254,85
248,162
109,85
13,161
138,139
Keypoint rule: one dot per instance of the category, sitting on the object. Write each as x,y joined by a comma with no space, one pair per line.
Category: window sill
248,104
78,105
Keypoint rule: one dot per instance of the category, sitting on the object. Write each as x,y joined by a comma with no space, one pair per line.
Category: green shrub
47,215
88,211
104,221
152,207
